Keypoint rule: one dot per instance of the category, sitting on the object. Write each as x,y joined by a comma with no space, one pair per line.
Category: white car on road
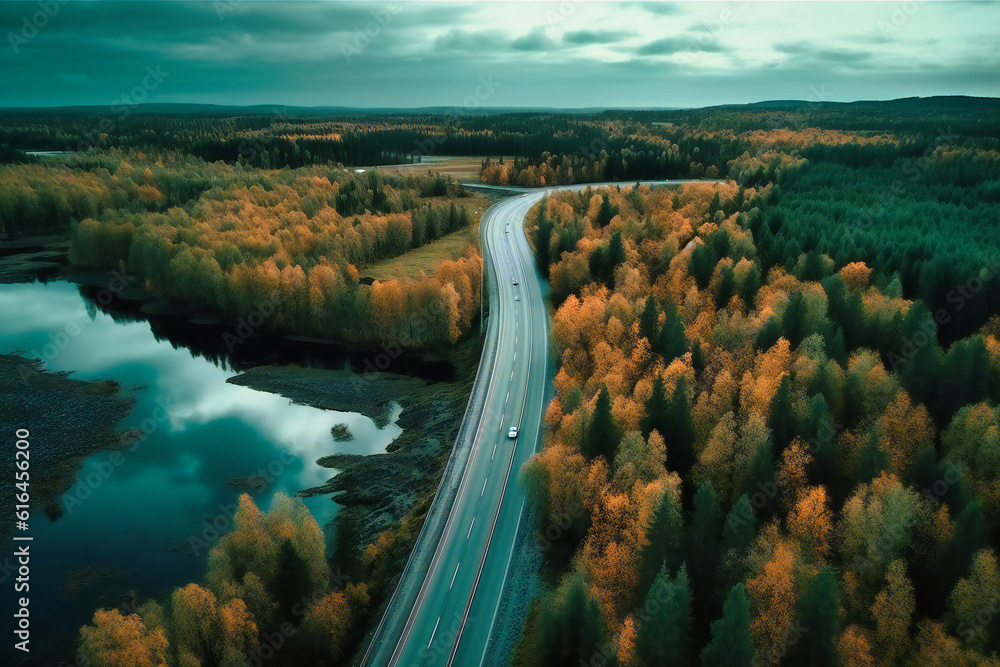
512,433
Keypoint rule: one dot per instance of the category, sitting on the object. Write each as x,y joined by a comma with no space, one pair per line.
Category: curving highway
447,599
468,527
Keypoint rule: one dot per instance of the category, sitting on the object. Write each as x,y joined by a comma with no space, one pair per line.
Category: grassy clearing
460,168
425,258
475,202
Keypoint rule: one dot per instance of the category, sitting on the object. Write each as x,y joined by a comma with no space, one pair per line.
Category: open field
461,168
424,259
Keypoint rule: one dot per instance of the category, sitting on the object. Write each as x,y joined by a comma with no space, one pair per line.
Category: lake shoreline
377,491
68,420
424,394
432,390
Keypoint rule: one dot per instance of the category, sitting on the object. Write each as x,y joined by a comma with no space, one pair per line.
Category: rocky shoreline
377,491
68,421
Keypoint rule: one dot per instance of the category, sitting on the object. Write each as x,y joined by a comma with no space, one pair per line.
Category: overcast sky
568,54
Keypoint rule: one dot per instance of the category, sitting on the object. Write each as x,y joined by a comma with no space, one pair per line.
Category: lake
138,527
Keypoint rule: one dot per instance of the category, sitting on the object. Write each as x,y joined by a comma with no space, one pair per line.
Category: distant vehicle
517,297
512,433
514,282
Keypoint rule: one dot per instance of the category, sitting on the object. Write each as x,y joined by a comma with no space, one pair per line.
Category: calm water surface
131,530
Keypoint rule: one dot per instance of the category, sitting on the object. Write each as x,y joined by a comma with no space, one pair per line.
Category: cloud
806,52
486,42
586,37
658,8
670,45
536,40
457,39
431,54
841,56
793,48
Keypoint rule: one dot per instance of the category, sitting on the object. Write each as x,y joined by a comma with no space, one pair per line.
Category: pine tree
664,535
291,584
781,419
819,611
606,212
819,428
655,417
703,553
732,644
664,636
812,267
679,431
702,264
726,289
919,359
740,527
768,334
603,434
714,206
698,361
671,342
749,286
759,483
965,377
615,256
871,461
649,320
739,530
793,321
968,537
570,625
836,347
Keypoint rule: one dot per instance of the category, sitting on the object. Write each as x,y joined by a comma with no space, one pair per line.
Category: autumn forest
774,429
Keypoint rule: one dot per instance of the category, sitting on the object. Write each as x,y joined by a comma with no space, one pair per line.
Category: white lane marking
434,632
470,528
484,487
453,576
494,451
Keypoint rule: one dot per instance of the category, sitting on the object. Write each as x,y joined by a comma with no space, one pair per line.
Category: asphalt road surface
445,604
